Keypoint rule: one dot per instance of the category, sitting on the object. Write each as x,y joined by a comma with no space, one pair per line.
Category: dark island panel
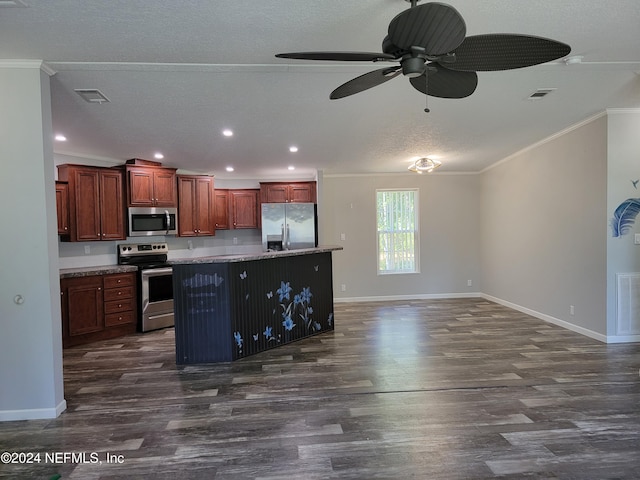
227,311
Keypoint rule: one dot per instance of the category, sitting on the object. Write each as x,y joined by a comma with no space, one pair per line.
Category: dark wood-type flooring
439,389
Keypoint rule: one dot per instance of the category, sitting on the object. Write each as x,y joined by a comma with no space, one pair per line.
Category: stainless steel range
155,283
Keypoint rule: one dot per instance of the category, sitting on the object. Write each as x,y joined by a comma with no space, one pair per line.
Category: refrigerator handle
288,237
282,236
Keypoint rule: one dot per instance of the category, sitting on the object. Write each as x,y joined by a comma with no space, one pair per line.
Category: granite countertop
96,270
244,257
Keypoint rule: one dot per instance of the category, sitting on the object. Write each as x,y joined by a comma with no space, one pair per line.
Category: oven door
156,299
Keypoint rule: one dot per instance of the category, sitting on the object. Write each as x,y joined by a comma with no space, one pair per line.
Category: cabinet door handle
99,288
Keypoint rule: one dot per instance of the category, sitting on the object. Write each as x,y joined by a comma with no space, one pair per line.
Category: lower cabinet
98,307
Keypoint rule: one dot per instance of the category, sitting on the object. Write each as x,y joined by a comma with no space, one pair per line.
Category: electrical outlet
343,288
190,245
572,310
343,236
469,283
235,240
87,249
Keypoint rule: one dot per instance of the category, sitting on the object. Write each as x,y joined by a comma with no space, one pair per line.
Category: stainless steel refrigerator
288,226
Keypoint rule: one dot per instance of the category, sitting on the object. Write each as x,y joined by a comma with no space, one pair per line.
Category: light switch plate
636,239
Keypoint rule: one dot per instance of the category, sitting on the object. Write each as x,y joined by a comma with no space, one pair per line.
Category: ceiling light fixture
60,138
227,132
229,169
158,156
424,165
293,149
291,167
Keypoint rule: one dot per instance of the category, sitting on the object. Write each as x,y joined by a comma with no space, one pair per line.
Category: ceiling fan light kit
430,44
424,165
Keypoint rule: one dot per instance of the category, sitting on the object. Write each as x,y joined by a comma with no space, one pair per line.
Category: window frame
416,232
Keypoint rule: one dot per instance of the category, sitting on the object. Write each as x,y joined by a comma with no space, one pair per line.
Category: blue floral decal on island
293,317
283,291
238,339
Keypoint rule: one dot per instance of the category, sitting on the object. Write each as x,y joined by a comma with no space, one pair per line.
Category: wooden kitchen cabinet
62,207
221,209
84,305
96,202
195,206
151,186
98,307
292,192
244,208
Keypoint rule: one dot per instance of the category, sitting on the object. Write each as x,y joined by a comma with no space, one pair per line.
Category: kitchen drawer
111,294
119,280
119,318
118,306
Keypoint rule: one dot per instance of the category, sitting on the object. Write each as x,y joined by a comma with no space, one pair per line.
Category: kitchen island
229,307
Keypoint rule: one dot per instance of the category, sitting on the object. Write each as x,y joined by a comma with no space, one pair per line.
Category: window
397,226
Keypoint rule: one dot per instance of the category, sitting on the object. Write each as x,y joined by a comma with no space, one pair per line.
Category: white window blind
397,226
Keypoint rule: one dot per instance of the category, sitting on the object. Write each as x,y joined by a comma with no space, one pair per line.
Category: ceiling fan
429,41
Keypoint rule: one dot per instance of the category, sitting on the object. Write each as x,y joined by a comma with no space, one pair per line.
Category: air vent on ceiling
13,3
540,93
92,95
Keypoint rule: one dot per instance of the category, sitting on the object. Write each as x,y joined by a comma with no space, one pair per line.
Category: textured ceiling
177,73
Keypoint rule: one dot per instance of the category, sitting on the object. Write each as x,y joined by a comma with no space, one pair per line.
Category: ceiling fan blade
505,51
445,83
338,56
437,27
365,82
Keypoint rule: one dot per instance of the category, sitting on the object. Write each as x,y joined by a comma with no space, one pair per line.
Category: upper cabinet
243,207
62,207
292,192
150,185
221,209
96,202
195,206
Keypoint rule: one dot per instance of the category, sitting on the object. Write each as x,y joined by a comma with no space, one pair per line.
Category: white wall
31,340
623,256
449,225
544,229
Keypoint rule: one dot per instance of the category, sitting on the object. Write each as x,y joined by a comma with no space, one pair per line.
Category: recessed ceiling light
227,132
229,169
158,156
60,138
293,149
291,167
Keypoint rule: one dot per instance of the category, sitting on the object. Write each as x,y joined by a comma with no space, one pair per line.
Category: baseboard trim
542,316
548,318
420,296
33,414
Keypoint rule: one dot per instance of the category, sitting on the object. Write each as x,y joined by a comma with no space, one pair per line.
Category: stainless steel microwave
148,221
